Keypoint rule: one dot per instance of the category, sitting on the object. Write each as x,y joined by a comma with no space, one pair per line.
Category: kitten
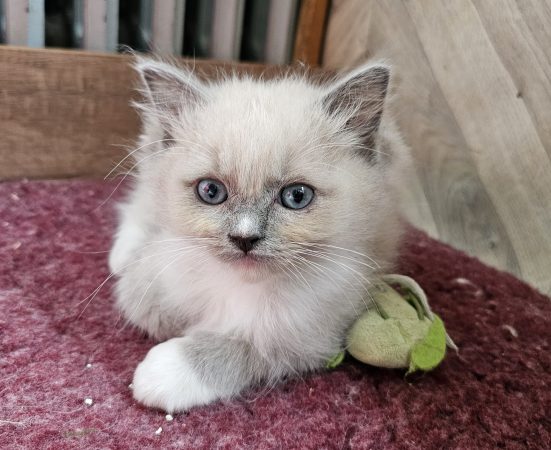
260,212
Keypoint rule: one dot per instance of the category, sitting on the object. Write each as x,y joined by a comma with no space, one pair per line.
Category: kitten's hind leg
196,370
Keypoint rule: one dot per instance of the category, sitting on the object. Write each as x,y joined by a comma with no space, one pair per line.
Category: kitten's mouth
248,260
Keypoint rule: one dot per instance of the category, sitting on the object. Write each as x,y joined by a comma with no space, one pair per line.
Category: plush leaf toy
399,330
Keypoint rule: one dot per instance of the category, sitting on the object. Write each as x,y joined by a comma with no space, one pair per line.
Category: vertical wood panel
101,25
311,31
168,26
227,29
279,37
17,22
517,34
36,24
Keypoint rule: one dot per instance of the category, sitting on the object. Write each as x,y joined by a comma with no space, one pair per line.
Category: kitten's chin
251,267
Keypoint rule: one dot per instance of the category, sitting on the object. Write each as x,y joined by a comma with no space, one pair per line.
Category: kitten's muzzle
245,243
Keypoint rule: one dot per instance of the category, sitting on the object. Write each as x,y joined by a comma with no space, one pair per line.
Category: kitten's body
234,319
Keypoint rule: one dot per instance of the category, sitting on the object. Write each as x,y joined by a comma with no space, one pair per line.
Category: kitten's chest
211,297
232,307
217,300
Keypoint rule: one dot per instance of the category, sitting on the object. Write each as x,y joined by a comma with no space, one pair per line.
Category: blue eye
296,196
212,192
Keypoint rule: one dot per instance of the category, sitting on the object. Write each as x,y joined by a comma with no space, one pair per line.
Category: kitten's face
264,174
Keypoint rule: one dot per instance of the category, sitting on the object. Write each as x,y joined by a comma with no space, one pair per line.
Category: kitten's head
270,174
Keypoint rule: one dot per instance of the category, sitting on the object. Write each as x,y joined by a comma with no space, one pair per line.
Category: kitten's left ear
167,88
359,97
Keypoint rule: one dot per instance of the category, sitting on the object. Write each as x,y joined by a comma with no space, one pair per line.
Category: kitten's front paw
165,380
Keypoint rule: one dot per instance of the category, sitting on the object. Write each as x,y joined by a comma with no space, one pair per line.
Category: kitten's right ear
168,89
359,97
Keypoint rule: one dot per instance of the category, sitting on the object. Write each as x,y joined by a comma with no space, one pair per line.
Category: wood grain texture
311,31
68,114
475,105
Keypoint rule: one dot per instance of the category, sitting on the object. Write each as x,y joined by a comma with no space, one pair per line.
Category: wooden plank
36,23
521,34
227,28
101,25
448,199
496,125
311,31
17,22
279,36
3,37
474,104
64,113
168,26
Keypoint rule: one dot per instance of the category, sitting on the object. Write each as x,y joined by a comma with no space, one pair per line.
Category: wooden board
474,103
67,114
311,31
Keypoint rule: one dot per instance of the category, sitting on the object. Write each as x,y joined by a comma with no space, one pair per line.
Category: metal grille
253,30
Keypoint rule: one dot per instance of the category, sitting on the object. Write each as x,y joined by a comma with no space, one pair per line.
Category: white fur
164,380
128,239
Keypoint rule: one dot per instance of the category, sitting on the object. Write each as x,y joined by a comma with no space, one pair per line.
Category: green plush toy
398,331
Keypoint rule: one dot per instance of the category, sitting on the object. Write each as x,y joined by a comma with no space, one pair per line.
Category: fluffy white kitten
260,212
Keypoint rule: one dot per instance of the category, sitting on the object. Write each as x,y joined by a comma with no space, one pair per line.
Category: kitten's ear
168,89
359,97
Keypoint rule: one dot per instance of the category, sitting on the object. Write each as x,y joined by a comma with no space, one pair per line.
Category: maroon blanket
55,352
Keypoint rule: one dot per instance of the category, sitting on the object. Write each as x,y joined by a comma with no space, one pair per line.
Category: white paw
166,381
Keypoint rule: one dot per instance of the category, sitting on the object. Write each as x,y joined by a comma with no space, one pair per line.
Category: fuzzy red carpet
56,351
